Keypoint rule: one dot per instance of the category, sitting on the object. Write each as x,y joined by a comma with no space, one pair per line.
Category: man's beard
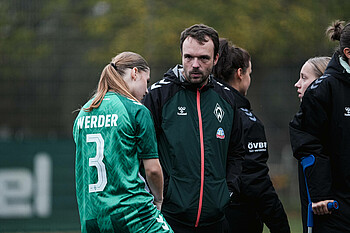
199,79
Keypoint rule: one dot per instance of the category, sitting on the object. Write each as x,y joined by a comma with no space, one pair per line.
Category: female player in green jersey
115,137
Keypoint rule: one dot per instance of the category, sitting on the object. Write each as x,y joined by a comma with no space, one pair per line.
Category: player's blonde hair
319,65
112,77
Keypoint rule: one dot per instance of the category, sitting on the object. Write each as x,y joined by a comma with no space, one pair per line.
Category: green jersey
110,142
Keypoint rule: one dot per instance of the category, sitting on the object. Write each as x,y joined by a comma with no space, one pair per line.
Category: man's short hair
200,32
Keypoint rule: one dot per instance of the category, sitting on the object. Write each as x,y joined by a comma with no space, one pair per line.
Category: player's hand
158,204
320,208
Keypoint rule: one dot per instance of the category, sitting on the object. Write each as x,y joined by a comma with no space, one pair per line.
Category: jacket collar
175,75
336,69
344,64
241,101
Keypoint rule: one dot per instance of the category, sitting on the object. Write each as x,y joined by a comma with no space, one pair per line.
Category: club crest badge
219,112
220,133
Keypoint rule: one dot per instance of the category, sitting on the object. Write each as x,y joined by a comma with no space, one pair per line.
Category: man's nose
195,63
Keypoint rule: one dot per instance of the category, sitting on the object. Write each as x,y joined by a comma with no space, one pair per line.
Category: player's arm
154,177
235,157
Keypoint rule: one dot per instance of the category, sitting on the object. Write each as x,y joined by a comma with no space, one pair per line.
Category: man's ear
216,59
134,73
347,52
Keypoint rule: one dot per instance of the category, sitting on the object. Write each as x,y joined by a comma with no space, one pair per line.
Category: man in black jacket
199,136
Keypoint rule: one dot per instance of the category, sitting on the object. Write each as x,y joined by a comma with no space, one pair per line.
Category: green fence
37,186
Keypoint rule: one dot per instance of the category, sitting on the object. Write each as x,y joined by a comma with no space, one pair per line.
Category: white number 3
97,162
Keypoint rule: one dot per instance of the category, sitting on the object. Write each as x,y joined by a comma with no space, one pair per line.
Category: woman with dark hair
113,133
322,128
258,201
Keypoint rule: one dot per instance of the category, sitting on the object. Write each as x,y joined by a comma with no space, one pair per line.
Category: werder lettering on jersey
99,121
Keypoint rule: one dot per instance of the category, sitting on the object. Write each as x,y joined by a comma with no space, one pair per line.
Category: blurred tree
52,52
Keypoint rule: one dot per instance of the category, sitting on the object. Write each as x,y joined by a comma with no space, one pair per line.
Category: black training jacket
200,143
322,128
257,191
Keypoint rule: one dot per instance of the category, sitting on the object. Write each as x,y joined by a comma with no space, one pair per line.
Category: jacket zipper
202,156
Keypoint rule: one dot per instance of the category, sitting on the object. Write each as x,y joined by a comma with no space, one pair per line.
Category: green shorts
151,222
159,224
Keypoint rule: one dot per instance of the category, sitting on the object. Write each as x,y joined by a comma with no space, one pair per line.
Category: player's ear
240,73
347,52
134,72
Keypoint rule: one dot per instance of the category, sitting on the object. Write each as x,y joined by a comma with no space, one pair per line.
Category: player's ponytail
112,77
222,70
340,33
334,30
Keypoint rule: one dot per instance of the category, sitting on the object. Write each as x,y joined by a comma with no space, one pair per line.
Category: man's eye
204,59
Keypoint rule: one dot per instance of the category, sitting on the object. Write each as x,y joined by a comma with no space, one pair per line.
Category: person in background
322,128
310,71
199,136
113,132
258,201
